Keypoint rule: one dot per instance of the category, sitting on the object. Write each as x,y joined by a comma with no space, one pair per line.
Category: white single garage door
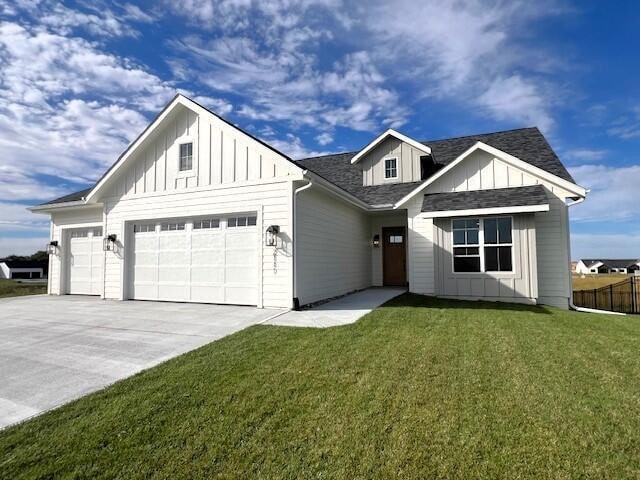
209,260
85,261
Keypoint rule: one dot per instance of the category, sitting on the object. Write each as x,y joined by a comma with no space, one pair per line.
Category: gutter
571,304
296,301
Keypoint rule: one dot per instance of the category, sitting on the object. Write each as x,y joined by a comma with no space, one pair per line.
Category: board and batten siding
333,251
271,201
372,164
222,154
61,223
519,286
482,171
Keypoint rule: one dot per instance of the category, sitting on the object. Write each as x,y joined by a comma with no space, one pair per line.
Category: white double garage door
210,260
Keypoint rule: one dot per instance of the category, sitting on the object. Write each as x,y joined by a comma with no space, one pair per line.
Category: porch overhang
499,201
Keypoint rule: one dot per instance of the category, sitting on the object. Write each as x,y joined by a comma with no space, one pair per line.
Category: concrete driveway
56,349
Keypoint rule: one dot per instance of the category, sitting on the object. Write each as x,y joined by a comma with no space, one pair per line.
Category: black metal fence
621,297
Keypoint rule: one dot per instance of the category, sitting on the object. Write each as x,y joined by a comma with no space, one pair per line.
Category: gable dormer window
391,168
186,157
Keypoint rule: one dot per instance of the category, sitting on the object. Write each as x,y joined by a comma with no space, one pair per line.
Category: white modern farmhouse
197,210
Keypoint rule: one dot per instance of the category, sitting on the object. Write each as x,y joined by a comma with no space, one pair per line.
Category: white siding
222,154
552,236
420,258
272,202
521,285
372,164
333,251
482,171
60,221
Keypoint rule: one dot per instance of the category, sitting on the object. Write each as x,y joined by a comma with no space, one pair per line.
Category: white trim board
505,157
485,211
391,132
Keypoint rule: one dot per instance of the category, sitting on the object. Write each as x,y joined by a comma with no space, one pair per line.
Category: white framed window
395,238
482,244
171,226
144,228
466,245
498,246
97,232
244,221
185,151
391,167
206,224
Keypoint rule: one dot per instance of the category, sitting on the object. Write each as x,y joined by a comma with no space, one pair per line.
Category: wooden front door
394,255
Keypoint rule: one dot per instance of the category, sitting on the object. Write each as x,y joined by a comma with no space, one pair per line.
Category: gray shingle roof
71,197
528,144
611,263
501,197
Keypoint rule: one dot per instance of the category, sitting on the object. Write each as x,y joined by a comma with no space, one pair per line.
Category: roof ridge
325,155
426,142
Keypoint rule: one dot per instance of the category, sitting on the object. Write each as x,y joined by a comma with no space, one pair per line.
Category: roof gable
382,137
178,100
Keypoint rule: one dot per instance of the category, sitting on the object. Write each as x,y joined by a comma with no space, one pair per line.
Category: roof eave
46,208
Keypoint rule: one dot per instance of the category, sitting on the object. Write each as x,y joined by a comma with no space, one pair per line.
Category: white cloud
22,245
281,85
133,12
623,245
613,195
585,154
468,51
293,147
15,216
65,20
324,138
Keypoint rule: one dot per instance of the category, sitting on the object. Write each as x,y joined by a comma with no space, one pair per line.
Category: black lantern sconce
271,239
109,242
376,241
53,248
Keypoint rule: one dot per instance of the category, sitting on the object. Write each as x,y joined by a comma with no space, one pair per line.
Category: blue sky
79,80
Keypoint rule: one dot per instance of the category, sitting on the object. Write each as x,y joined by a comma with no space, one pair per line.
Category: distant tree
40,256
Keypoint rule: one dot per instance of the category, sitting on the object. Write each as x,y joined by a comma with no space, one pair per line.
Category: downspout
571,305
296,301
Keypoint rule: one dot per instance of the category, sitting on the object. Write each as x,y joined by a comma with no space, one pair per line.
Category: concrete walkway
342,311
56,349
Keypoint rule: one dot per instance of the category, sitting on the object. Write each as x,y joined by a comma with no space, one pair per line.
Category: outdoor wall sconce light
271,239
376,241
109,242
52,248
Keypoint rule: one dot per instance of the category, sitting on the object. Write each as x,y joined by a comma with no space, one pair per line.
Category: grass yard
11,288
595,281
419,388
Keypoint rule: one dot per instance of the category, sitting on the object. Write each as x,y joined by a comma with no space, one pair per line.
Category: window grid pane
390,168
186,156
466,240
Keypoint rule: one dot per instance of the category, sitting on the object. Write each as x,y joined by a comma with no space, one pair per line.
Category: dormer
394,158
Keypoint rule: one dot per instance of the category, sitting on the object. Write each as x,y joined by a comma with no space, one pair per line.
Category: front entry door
394,257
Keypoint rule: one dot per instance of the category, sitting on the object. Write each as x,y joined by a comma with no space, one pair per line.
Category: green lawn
419,388
11,288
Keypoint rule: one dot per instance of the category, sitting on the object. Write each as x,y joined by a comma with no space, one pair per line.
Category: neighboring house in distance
574,265
590,266
197,210
22,269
